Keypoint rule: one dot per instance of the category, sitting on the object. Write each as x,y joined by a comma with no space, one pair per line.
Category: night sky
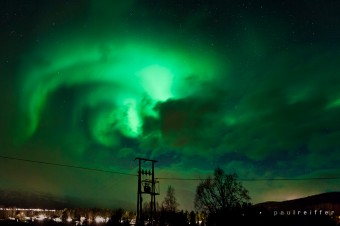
250,86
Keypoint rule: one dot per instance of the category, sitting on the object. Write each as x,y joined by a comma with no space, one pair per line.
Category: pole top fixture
150,160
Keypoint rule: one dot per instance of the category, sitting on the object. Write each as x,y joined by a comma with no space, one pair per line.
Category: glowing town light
58,219
99,219
41,217
82,220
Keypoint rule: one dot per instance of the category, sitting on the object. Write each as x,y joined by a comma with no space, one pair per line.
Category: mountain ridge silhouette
327,200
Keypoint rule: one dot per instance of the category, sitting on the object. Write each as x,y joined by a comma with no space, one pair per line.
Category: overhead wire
66,165
256,179
162,178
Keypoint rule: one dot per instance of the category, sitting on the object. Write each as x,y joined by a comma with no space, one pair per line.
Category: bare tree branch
222,193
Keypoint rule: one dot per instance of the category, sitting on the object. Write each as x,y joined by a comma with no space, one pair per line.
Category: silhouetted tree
192,218
220,195
170,203
169,214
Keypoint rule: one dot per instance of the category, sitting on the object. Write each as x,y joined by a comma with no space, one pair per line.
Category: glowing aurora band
131,73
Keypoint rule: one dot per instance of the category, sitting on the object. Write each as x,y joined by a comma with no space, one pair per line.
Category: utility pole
146,185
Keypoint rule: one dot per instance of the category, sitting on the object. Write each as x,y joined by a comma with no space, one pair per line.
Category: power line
66,165
178,178
297,179
259,179
165,178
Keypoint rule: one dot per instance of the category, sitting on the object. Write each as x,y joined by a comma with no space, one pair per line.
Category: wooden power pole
146,185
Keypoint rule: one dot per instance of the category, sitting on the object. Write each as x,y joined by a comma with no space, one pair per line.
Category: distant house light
99,219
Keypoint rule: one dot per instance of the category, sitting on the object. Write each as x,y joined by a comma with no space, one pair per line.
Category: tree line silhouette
219,200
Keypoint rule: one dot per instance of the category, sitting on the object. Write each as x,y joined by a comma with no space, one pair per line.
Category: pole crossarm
150,160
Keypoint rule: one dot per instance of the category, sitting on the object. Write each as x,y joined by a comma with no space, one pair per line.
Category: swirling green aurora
193,84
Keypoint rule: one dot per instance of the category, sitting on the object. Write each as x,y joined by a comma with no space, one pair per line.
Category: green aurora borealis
251,87
124,77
